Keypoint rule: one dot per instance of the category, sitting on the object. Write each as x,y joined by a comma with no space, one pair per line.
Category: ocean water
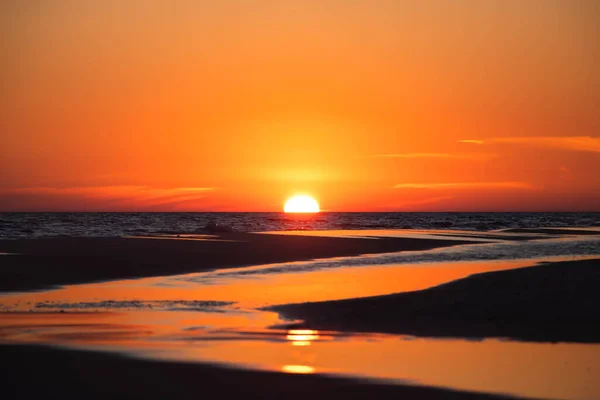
23,225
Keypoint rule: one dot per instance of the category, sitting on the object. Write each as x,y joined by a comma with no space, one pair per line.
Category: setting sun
301,204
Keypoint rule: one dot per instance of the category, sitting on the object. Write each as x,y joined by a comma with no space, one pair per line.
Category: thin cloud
472,141
142,196
414,155
107,190
434,155
574,143
571,143
465,185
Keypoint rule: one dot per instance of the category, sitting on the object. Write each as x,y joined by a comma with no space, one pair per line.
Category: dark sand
45,373
44,263
553,231
548,302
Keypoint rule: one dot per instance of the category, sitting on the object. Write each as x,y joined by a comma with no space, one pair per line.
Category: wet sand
547,302
550,302
43,263
35,371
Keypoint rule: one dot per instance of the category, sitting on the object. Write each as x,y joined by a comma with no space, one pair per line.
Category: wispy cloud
110,191
575,143
434,155
414,155
465,185
572,143
472,141
133,196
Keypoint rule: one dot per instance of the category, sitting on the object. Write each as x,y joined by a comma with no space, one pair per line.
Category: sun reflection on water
298,369
302,337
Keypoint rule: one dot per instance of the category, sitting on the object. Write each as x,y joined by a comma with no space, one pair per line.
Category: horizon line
282,212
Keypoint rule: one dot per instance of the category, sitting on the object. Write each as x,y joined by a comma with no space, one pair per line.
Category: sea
110,224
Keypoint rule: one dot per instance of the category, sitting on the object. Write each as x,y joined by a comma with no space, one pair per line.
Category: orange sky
235,105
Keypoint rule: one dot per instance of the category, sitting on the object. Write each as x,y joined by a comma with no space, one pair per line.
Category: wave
25,225
165,305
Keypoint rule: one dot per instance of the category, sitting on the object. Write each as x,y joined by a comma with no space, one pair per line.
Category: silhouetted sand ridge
40,372
548,302
43,263
554,231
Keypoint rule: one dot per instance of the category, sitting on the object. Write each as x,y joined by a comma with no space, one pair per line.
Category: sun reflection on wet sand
298,369
302,337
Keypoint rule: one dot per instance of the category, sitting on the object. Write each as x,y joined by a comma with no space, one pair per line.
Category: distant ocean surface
24,225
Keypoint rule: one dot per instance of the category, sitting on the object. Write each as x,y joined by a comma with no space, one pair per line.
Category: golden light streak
298,369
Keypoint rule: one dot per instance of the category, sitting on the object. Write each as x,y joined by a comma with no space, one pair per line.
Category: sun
301,204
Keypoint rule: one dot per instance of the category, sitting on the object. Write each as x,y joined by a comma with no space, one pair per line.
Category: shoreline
38,264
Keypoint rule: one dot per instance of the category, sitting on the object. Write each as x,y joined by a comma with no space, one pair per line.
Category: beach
302,314
32,264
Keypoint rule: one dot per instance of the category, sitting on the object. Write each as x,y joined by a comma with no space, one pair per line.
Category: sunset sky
235,105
